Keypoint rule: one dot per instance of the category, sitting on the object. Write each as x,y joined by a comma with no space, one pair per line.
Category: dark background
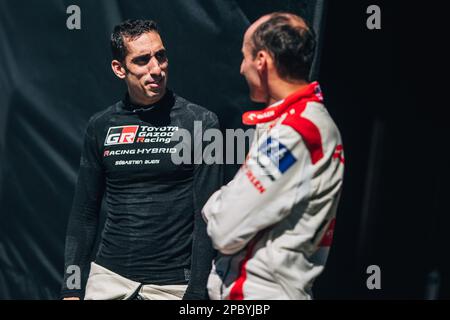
382,87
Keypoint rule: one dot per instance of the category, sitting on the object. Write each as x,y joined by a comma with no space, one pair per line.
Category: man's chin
155,94
257,99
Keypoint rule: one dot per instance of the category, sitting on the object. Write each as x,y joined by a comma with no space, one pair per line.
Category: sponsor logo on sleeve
278,154
254,180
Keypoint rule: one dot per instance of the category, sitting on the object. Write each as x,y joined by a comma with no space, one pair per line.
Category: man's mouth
155,84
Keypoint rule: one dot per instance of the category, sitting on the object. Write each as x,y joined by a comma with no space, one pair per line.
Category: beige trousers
103,284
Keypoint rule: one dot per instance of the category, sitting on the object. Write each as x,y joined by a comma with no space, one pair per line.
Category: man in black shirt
154,242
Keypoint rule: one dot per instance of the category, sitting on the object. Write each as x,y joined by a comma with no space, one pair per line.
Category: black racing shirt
154,232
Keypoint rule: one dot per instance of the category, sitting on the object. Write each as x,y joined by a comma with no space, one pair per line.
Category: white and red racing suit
273,223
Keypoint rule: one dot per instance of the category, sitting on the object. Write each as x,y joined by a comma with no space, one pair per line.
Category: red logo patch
338,154
121,135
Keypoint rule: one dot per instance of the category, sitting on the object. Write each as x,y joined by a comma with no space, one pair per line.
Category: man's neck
142,102
282,89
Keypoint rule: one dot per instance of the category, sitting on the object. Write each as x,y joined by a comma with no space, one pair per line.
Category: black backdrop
393,211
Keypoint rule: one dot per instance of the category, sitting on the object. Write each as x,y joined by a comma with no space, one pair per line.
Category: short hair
291,45
130,29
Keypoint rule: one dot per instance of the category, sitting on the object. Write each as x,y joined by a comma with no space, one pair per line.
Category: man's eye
141,60
161,56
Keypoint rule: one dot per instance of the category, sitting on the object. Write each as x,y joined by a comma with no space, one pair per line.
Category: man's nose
154,67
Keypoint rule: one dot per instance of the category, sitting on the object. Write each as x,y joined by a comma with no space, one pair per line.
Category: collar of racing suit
166,103
311,92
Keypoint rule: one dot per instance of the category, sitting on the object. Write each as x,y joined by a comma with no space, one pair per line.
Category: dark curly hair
291,46
131,29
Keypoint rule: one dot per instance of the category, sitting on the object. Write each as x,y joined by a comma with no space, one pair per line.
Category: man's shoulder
313,114
103,114
196,111
191,105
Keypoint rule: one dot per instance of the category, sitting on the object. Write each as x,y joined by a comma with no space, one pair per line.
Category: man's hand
71,298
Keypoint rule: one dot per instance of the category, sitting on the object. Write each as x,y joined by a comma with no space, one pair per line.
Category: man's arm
207,179
276,175
84,216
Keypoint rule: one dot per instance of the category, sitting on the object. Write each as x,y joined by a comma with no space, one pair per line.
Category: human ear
118,69
262,58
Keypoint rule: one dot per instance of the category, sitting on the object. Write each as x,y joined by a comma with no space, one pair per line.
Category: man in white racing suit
273,223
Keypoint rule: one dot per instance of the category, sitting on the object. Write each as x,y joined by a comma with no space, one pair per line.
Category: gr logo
121,135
